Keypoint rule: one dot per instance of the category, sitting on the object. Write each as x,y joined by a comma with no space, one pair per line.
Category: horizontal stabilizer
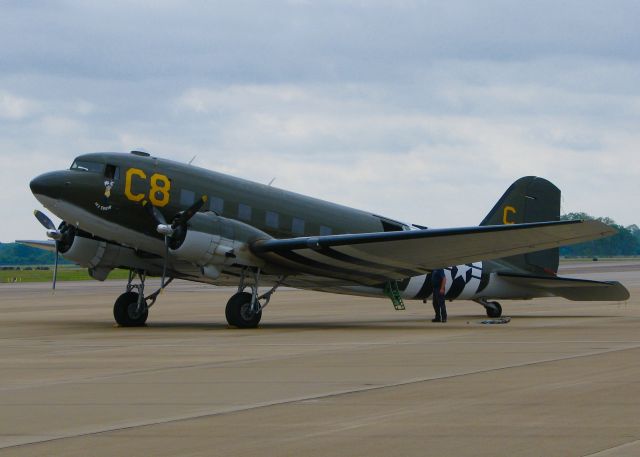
571,288
47,245
371,258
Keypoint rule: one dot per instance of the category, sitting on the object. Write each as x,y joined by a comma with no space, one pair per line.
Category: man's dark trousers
439,306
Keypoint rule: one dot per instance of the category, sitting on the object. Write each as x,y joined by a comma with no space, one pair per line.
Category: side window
297,226
272,219
216,204
112,173
244,212
325,231
187,197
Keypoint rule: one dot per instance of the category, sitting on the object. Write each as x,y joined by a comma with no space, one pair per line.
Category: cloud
422,111
14,108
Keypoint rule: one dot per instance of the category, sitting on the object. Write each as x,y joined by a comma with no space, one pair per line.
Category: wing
571,288
372,258
47,245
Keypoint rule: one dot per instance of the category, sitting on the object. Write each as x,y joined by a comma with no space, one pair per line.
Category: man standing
439,282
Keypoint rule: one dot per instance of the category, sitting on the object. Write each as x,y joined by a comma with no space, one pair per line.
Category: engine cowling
211,241
86,252
100,257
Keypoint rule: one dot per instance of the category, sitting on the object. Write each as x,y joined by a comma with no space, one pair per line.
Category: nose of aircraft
49,184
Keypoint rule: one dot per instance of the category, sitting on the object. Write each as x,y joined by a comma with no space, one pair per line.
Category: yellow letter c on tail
505,215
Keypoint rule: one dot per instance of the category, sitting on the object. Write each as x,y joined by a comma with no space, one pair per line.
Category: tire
238,312
124,311
230,313
495,310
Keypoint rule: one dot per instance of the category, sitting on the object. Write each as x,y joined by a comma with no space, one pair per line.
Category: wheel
125,311
494,310
238,311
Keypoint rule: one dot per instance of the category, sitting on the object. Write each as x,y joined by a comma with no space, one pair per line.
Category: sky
423,111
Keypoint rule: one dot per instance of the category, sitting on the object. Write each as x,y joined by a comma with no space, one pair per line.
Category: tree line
13,254
625,243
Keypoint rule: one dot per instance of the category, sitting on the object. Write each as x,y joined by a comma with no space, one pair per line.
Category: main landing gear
493,308
244,309
131,309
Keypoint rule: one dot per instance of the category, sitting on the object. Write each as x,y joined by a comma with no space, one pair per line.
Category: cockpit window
85,165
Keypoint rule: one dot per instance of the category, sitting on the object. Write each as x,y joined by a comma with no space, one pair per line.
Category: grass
65,273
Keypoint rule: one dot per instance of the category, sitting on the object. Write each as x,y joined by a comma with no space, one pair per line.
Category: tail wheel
238,311
125,311
494,309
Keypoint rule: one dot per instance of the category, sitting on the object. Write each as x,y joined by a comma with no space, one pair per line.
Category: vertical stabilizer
529,199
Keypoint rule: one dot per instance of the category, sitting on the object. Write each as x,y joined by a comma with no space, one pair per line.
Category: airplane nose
49,184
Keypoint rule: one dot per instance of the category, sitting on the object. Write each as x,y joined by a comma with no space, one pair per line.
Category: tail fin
529,199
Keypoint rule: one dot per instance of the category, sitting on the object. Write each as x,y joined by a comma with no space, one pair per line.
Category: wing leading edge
47,245
371,258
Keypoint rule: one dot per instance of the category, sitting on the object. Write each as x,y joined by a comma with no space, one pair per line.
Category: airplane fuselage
103,195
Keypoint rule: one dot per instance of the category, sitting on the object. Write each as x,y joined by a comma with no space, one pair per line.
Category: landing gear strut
493,308
244,309
131,309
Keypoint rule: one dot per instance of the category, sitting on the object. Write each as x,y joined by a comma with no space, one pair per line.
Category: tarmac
324,375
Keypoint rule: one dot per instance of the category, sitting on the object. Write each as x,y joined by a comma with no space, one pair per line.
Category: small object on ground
499,320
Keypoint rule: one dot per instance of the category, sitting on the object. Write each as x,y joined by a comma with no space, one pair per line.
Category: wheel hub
245,311
133,311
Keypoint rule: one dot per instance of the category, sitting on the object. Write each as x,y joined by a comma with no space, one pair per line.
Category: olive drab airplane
157,217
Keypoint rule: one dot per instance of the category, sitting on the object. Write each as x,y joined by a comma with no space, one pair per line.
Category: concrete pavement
323,375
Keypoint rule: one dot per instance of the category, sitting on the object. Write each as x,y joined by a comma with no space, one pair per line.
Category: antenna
271,182
192,159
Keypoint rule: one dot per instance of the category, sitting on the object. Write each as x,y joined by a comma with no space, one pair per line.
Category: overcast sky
422,111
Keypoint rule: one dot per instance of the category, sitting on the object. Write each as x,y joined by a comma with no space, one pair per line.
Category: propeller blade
155,213
166,260
55,268
183,217
44,220
163,228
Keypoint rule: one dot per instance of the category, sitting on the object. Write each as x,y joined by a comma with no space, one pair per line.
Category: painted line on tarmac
185,417
631,449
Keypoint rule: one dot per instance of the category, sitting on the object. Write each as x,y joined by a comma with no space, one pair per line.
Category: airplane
157,217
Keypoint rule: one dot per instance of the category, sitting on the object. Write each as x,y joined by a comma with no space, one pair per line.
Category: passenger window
187,197
325,231
272,219
244,212
297,226
216,204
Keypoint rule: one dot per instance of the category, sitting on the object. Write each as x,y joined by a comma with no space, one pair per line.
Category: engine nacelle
211,241
86,252
98,256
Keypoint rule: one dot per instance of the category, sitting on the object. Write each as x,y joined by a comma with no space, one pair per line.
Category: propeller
177,226
53,233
